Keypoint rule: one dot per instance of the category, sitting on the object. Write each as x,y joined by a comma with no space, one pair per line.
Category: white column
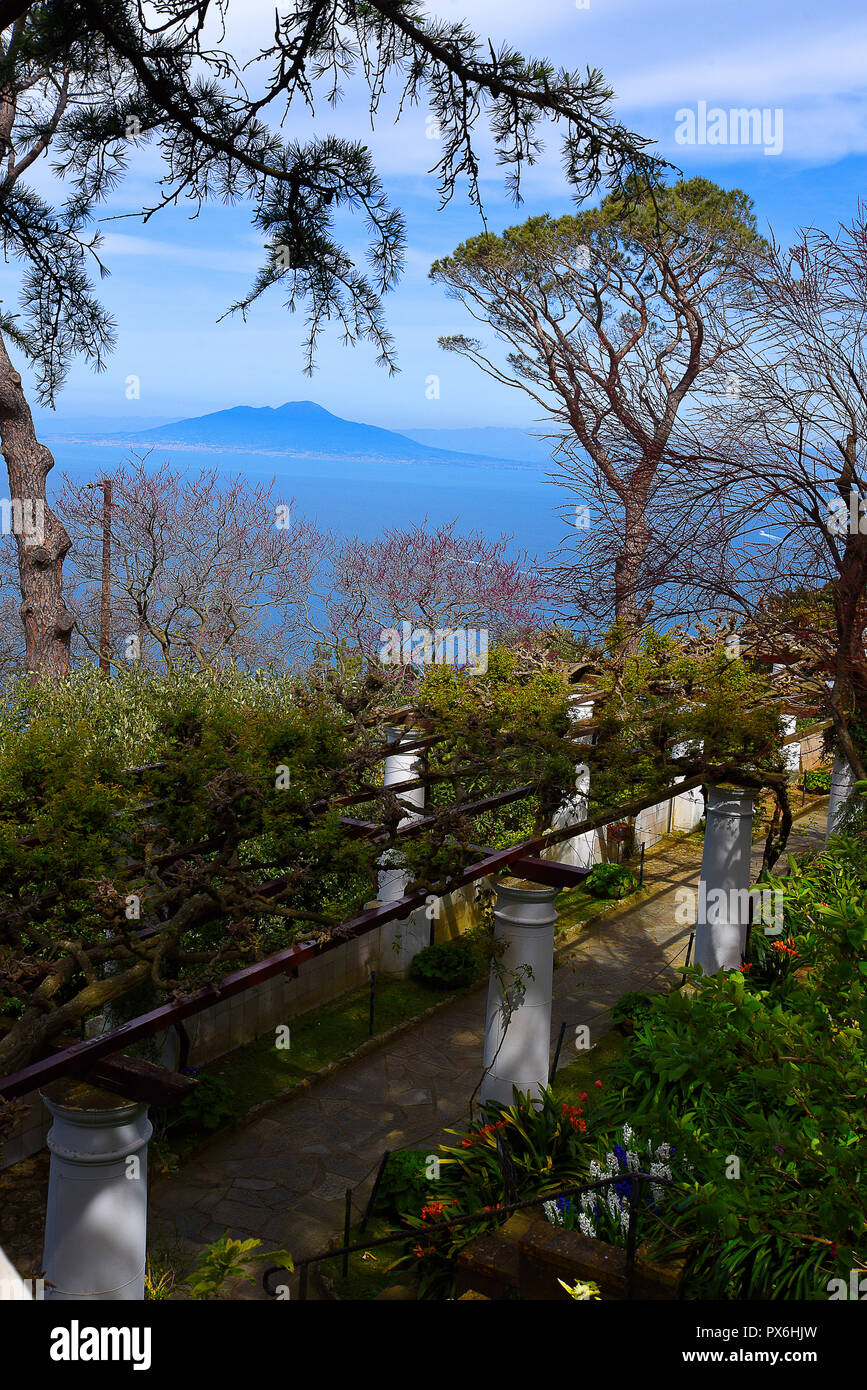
402,940
842,779
723,894
517,1048
582,851
791,751
96,1221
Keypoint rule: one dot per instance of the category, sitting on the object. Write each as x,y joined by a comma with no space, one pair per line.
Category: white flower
554,1215
586,1225
624,1221
627,1135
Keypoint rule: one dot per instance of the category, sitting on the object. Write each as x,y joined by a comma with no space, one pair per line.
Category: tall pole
105,604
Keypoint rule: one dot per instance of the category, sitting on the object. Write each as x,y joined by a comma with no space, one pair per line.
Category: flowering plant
583,1291
604,1213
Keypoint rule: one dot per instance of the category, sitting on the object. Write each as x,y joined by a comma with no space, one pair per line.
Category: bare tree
431,578
204,572
774,532
610,318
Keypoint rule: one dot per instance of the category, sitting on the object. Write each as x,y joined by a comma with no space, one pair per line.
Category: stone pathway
283,1178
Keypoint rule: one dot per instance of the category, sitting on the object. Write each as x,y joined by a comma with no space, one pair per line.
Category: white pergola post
582,851
401,940
842,779
96,1221
724,886
518,1036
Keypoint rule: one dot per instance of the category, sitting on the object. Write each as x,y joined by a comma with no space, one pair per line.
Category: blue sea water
364,499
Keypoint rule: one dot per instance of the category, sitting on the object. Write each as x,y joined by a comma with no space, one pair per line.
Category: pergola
106,1135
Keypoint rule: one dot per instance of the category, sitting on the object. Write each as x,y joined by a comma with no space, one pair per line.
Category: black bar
501,1212
553,1071
632,1235
688,954
372,1001
347,1222
641,868
368,1210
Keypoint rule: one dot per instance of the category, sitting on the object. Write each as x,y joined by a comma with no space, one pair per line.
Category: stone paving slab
283,1178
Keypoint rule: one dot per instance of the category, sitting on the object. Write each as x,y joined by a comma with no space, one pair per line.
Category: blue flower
564,1204
620,1153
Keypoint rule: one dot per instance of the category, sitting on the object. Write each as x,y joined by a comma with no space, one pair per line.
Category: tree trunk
40,536
627,567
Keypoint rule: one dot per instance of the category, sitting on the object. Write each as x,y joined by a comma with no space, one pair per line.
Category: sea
364,498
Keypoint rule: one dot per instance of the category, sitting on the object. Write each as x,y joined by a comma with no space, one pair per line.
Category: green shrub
451,965
634,1005
766,1065
209,1105
403,1183
817,780
611,881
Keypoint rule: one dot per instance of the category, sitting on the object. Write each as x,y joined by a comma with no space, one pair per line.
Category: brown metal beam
549,871
137,1079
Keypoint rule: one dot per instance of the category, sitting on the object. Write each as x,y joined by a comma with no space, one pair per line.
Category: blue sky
172,278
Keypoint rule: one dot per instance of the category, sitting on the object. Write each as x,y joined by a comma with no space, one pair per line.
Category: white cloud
814,66
234,262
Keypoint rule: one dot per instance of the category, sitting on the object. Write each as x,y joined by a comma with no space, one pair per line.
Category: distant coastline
186,446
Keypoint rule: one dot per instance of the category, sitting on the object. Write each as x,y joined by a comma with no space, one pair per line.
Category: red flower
598,1083
572,1112
432,1209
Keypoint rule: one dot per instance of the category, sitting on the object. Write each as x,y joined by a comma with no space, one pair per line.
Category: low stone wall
230,1024
678,815
527,1256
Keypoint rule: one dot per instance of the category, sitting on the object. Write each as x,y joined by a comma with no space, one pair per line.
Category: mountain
302,429
492,441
